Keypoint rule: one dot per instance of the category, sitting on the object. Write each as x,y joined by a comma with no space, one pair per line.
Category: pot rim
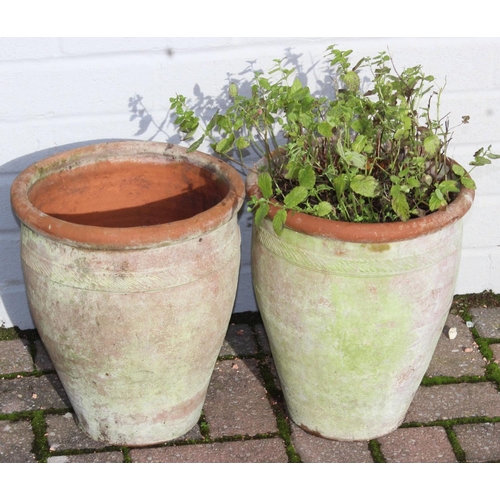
369,232
128,237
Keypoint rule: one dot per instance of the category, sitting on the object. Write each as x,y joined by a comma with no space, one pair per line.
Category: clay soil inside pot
128,194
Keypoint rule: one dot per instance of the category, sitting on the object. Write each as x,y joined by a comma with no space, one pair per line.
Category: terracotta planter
130,253
353,313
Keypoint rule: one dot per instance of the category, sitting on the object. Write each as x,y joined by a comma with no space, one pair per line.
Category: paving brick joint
454,417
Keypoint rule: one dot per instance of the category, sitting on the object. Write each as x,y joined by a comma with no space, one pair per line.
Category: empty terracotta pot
130,253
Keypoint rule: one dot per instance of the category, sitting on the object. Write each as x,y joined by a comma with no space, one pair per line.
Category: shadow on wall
150,129
205,106
11,293
19,164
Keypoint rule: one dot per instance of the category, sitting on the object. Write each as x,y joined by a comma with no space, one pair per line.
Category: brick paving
487,322
455,415
318,450
458,357
417,445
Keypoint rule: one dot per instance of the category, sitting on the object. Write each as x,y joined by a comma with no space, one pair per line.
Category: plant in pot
357,232
127,248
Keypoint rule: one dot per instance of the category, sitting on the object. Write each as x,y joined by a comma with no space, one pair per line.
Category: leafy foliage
372,155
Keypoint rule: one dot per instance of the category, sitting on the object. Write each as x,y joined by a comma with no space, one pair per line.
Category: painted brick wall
58,93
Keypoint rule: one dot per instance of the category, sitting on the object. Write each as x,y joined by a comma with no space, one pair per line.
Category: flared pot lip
379,232
129,237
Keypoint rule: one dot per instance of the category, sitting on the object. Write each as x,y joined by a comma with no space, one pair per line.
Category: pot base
350,439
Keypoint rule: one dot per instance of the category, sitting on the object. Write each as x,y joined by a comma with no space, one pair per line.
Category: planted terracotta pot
354,312
130,254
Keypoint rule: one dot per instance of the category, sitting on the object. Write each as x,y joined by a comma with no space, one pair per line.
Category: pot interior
128,193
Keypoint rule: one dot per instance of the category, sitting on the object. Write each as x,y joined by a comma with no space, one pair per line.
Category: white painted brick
494,256
479,270
487,178
483,107
99,45
7,220
496,68
245,298
14,310
101,85
72,86
170,45
64,92
474,272
245,222
35,139
19,49
465,63
481,225
10,261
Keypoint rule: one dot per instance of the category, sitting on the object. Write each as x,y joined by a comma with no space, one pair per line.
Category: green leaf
439,194
233,90
225,123
355,159
264,83
404,172
449,187
432,145
399,203
296,196
479,161
458,169
296,87
196,144
400,134
265,184
306,120
242,143
279,221
468,182
359,144
213,121
307,177
352,81
340,149
365,185
340,184
225,144
413,182
323,208
292,170
325,129
237,124
261,213
436,200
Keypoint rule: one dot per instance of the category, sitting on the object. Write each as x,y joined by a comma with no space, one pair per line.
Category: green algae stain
370,324
379,247
367,348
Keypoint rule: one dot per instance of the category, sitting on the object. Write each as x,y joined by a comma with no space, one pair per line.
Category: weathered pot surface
127,248
353,313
